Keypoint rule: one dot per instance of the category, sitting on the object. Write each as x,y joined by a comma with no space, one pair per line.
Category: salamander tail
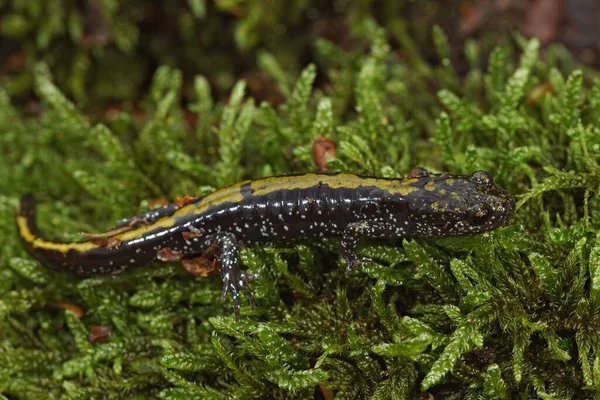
82,258
26,218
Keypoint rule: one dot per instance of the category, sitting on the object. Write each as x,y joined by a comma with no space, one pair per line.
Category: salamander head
447,205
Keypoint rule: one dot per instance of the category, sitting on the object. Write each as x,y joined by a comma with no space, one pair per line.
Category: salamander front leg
234,280
352,234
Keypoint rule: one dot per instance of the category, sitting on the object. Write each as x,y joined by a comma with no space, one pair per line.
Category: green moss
105,51
515,312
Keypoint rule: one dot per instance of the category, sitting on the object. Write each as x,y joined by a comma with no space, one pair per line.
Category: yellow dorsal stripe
265,186
40,243
231,194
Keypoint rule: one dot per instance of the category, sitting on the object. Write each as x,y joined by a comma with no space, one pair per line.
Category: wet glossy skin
283,209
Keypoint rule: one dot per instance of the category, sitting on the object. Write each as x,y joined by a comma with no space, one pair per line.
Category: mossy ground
512,313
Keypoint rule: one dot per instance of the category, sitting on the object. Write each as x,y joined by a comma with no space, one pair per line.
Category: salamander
282,209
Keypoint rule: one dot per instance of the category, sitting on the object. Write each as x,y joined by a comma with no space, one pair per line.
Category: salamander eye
418,172
479,214
482,178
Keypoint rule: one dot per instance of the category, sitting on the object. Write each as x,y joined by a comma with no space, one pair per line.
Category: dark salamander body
282,209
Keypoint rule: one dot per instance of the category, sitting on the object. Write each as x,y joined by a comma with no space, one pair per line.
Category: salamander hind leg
234,280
